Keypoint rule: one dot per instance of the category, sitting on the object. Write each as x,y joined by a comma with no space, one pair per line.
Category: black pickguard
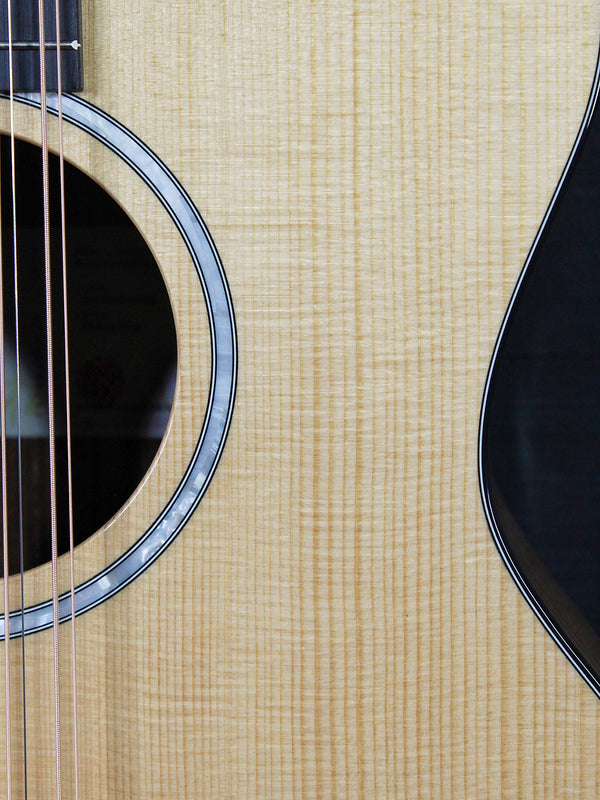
540,427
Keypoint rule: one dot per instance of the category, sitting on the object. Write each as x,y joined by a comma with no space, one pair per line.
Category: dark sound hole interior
122,356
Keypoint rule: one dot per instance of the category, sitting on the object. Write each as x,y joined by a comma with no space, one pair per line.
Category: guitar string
13,192
63,233
7,707
50,368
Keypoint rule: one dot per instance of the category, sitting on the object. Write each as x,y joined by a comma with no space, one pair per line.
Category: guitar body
334,620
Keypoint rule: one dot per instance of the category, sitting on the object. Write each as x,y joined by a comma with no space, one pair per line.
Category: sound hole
122,355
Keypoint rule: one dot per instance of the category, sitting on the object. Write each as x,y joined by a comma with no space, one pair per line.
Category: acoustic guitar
291,234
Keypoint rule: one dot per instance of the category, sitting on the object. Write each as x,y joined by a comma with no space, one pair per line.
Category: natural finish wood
335,621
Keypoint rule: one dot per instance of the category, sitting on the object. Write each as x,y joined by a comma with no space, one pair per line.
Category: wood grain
335,621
